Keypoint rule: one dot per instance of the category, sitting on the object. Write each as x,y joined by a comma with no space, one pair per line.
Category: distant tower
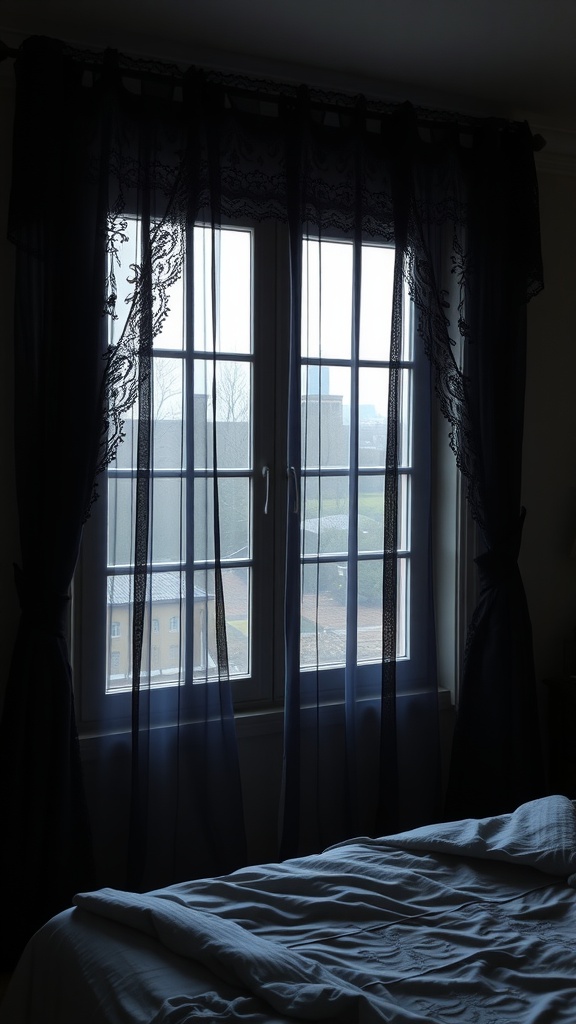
323,430
318,380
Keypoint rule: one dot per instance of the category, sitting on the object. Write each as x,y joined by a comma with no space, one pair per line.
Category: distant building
164,630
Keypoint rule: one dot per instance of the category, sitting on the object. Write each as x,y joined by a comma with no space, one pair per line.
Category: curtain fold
46,852
184,803
497,759
359,780
117,167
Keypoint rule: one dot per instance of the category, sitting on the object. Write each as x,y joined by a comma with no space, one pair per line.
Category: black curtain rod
157,70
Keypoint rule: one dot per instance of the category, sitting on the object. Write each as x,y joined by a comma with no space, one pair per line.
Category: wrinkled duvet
471,921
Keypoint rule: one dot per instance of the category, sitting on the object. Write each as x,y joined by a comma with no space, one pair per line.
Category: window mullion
190,455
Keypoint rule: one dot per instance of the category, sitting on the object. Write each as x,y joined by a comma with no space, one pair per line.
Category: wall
9,544
549,489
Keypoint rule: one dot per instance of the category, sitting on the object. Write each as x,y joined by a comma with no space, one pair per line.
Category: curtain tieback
45,612
501,561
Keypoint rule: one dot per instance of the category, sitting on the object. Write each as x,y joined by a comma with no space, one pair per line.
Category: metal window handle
296,508
266,475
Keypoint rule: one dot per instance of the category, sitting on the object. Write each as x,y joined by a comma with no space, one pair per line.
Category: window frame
264,688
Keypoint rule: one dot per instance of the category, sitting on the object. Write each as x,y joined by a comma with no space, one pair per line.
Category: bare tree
168,389
233,392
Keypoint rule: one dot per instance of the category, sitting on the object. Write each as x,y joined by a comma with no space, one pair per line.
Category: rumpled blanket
333,937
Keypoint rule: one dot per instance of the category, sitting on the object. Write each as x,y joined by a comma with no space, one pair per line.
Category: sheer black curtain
99,139
360,765
59,414
480,280
497,760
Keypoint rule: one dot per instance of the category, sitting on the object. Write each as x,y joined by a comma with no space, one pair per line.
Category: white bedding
465,922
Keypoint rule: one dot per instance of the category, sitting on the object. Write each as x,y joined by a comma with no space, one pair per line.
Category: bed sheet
403,929
80,969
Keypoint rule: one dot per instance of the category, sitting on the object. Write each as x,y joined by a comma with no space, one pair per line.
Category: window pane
402,635
126,457
232,266
376,302
235,532
371,512
168,303
126,245
372,415
169,444
167,518
233,414
120,527
373,385
168,390
325,504
162,656
323,615
236,584
173,333
326,299
370,610
325,416
167,433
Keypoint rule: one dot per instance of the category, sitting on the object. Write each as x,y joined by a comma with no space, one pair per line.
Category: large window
218,435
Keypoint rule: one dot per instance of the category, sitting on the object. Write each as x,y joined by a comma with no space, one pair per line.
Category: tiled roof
333,522
166,586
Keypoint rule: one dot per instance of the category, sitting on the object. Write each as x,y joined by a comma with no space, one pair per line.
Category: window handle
296,508
266,475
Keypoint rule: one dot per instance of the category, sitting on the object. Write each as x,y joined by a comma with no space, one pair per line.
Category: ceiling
514,58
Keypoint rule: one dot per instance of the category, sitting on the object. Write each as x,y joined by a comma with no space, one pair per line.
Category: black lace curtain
97,138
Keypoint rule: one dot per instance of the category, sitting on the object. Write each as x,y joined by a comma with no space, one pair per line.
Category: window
344,433
343,402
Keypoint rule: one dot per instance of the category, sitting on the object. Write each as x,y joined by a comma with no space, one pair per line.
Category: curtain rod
159,70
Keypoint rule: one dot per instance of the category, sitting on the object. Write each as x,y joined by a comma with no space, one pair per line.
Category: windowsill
250,721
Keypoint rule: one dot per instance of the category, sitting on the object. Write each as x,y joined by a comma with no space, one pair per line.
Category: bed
471,921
